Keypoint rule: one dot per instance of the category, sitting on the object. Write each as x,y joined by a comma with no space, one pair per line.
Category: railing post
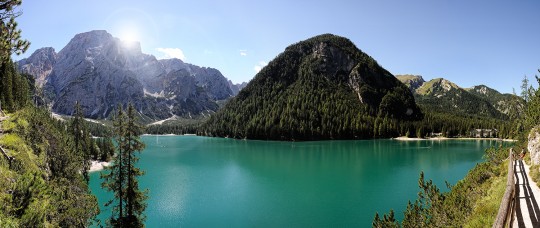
506,209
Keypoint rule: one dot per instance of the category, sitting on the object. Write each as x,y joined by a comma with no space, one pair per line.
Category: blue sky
495,42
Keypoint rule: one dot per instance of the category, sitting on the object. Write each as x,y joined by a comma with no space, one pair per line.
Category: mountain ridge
445,96
102,72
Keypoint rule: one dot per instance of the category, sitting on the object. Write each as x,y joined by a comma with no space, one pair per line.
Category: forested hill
320,88
443,96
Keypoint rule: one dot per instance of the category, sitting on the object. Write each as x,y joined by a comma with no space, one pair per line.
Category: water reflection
199,181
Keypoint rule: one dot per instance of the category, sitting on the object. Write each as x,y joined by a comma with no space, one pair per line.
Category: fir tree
82,139
122,177
525,89
135,198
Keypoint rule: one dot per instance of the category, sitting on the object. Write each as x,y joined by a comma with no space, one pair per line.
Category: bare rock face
534,145
39,64
102,72
412,81
215,84
235,88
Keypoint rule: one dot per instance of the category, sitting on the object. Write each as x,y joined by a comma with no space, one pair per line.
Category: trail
527,213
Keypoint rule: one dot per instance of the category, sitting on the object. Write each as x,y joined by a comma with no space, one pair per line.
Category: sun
129,35
133,26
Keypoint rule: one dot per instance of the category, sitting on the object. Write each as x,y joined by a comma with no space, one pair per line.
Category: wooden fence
504,217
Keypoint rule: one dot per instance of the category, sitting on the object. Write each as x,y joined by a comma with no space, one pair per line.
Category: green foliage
105,149
43,187
14,88
535,174
487,207
84,145
478,192
302,95
177,127
128,203
388,221
10,37
532,113
457,101
525,92
98,129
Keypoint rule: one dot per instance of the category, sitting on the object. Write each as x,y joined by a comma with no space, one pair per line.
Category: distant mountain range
445,96
320,88
100,71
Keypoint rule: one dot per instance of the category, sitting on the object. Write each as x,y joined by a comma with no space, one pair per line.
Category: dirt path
527,212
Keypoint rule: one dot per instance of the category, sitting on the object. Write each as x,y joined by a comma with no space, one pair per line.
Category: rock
39,64
101,72
235,88
412,81
533,145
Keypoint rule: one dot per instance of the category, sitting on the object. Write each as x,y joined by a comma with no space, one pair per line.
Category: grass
486,208
535,174
534,169
12,142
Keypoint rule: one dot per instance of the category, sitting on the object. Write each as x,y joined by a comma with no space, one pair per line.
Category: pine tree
525,88
122,178
135,197
10,37
6,79
82,139
14,88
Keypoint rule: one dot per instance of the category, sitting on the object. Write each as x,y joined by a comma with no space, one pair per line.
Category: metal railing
504,217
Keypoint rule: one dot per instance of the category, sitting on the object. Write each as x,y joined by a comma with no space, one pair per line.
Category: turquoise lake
213,182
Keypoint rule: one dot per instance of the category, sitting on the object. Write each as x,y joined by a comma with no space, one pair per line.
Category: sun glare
129,36
132,26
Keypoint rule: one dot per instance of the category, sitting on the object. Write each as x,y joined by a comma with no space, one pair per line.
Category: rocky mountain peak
235,88
101,71
90,39
436,87
482,89
412,81
39,64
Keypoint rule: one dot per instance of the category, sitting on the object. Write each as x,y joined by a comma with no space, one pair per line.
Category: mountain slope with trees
320,88
442,96
41,183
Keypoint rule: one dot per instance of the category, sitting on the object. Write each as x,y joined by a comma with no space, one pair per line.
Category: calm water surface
213,182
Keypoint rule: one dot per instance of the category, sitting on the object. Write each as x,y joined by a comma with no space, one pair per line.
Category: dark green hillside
510,105
40,179
320,88
442,96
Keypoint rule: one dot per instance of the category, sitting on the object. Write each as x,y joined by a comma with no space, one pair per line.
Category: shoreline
400,138
98,165
403,138
168,135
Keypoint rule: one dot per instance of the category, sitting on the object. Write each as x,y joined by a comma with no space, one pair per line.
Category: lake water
214,182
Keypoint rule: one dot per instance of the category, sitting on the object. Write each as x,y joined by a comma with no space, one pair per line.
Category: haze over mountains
100,71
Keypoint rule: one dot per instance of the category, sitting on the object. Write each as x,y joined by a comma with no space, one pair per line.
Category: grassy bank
42,186
473,202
